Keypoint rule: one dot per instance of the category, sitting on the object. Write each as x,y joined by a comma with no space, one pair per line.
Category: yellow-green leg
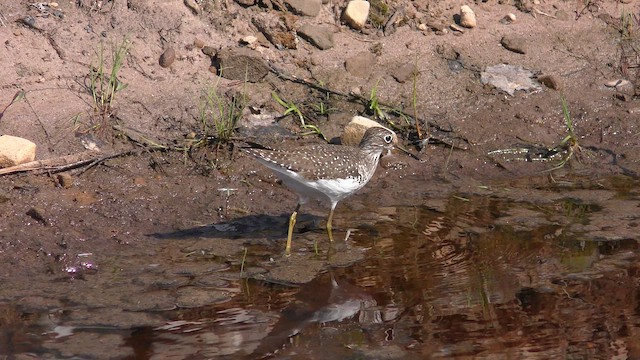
329,220
292,223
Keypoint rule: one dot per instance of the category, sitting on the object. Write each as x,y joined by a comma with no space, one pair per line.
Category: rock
193,6
508,19
514,43
622,86
405,72
436,25
361,64
241,64
246,3
356,13
355,129
467,17
64,180
277,29
209,51
550,81
248,40
509,78
38,215
319,36
199,43
305,7
15,151
167,58
457,28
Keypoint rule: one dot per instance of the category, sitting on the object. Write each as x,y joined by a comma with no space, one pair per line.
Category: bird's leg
329,220
292,223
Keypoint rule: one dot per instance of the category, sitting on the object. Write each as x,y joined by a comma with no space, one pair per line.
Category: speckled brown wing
313,162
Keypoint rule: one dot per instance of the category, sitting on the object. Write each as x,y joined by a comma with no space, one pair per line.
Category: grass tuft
104,83
219,114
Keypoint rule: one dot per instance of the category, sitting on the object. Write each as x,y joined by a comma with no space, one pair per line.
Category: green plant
103,81
292,108
322,109
414,99
374,104
570,142
219,113
626,24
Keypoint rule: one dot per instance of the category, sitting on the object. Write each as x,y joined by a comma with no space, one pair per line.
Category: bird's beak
404,151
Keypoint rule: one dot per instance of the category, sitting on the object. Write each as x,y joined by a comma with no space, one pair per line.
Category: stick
63,163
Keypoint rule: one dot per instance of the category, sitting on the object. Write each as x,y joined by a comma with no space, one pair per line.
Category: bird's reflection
324,300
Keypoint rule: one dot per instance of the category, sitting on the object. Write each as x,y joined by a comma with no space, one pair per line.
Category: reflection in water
453,286
480,279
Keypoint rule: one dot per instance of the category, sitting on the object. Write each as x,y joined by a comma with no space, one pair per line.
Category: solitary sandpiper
326,171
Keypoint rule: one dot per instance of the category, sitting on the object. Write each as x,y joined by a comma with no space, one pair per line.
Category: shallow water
526,274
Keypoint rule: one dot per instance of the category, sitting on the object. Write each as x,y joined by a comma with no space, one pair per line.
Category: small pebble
191,4
467,17
457,28
209,51
616,83
515,44
167,58
550,81
248,40
199,43
37,214
65,180
508,19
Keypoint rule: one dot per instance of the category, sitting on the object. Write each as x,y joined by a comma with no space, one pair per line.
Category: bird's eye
388,138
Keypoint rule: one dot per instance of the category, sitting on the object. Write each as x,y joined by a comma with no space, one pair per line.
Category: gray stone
305,7
241,64
319,36
514,43
405,72
361,64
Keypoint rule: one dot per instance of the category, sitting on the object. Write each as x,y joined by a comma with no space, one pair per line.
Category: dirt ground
174,202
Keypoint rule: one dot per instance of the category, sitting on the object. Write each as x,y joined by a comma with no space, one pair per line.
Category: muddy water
503,271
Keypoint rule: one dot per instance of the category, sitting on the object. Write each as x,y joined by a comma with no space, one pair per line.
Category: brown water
527,274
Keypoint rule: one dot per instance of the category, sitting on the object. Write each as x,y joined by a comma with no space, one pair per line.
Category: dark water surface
532,275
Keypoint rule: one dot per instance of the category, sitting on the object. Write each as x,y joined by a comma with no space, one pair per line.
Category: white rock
249,39
356,13
467,17
15,151
355,129
616,83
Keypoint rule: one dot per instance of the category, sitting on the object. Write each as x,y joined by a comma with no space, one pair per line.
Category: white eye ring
388,138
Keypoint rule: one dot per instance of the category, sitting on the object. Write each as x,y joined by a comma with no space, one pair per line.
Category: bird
324,171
